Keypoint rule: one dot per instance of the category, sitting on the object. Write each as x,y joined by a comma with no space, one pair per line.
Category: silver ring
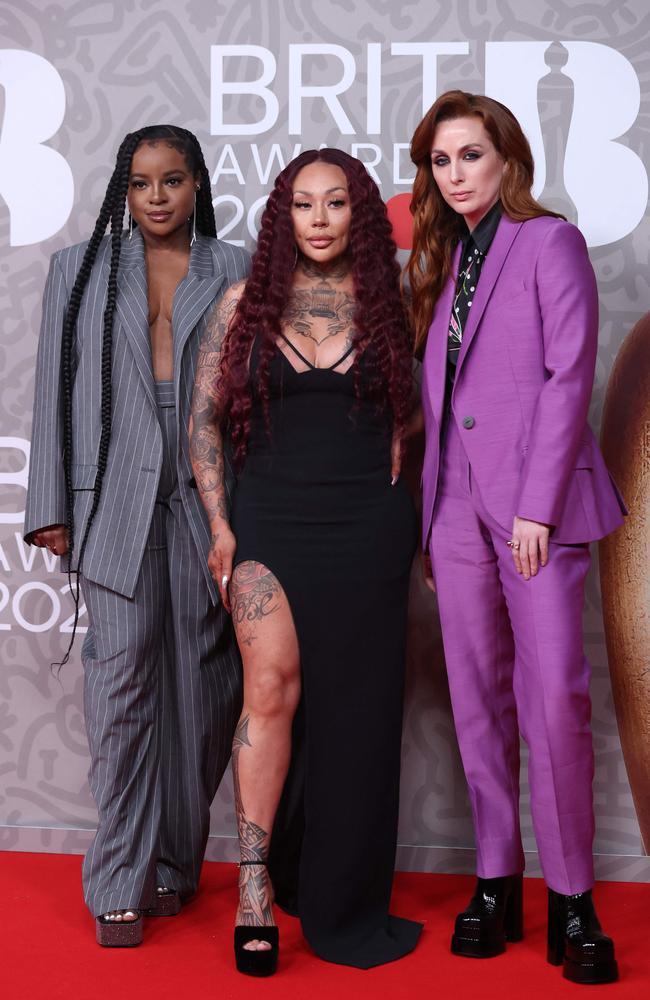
513,544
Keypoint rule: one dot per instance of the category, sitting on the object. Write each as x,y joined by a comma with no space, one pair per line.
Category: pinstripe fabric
119,532
162,696
162,687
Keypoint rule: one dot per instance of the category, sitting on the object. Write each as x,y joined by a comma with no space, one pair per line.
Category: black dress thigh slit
315,505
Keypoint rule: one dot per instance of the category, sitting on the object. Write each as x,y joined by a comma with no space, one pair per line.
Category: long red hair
379,319
436,226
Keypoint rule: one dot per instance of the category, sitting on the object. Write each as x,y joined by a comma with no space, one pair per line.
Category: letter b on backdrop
606,179
35,181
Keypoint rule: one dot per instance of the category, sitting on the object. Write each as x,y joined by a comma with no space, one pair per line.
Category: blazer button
468,422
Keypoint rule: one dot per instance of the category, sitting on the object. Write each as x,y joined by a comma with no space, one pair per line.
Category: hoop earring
295,259
130,226
193,236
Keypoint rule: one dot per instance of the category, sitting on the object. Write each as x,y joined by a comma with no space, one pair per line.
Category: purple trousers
515,662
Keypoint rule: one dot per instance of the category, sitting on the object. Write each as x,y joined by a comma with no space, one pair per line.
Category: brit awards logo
575,101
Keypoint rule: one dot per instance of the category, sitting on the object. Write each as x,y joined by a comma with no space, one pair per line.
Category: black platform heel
256,963
576,940
494,916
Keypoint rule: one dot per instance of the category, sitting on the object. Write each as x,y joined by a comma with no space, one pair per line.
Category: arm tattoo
206,444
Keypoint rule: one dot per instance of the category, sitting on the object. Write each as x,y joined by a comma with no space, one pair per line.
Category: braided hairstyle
112,211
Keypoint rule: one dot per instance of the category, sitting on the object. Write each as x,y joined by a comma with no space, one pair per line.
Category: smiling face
161,190
321,212
466,167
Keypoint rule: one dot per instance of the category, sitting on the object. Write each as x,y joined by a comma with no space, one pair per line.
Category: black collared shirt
474,248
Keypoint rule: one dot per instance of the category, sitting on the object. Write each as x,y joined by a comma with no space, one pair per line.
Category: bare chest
163,278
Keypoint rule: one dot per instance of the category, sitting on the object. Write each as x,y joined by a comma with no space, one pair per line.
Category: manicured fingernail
394,480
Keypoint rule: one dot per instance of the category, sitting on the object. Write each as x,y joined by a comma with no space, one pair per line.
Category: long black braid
112,211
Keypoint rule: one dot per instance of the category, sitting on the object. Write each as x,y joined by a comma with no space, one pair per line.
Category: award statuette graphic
555,97
625,560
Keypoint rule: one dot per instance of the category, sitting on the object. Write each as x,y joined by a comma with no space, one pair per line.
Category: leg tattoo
256,596
255,899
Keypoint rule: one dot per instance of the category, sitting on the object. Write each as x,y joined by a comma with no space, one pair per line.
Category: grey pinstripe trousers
162,696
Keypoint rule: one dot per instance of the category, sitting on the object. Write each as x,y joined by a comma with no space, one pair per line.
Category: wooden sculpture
625,560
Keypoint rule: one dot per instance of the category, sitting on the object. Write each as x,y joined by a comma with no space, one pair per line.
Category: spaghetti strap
342,359
296,351
302,357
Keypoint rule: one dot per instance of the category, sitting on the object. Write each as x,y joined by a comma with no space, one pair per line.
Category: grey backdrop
140,61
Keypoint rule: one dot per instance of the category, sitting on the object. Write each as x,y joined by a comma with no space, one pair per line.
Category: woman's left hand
530,546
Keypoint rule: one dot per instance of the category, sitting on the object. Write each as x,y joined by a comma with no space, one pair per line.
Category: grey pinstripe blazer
120,528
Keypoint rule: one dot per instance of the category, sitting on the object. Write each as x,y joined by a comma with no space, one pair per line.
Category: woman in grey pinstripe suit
111,488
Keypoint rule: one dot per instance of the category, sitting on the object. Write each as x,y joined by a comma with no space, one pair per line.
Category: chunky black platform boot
494,916
576,940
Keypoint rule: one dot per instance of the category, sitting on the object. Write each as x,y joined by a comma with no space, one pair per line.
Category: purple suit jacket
523,385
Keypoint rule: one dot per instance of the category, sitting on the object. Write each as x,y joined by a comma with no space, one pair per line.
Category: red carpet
48,948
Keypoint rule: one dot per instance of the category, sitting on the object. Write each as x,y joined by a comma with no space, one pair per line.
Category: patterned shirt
474,248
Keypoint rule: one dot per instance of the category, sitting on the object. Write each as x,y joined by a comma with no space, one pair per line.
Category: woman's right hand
54,538
220,557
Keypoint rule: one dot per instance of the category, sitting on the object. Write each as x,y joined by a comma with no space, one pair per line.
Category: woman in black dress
307,363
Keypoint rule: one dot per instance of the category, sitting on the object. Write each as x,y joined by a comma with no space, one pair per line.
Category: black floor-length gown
315,505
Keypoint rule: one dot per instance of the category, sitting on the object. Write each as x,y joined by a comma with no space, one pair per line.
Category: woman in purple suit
506,313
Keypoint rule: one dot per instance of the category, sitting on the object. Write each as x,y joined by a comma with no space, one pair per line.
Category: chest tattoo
320,312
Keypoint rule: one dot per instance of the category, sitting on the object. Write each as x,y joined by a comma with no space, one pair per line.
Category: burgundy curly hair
379,318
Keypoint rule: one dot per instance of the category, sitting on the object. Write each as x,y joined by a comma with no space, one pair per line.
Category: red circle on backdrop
401,220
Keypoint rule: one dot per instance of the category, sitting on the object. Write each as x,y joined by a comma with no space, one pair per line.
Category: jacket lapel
193,296
494,261
132,308
191,299
435,357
